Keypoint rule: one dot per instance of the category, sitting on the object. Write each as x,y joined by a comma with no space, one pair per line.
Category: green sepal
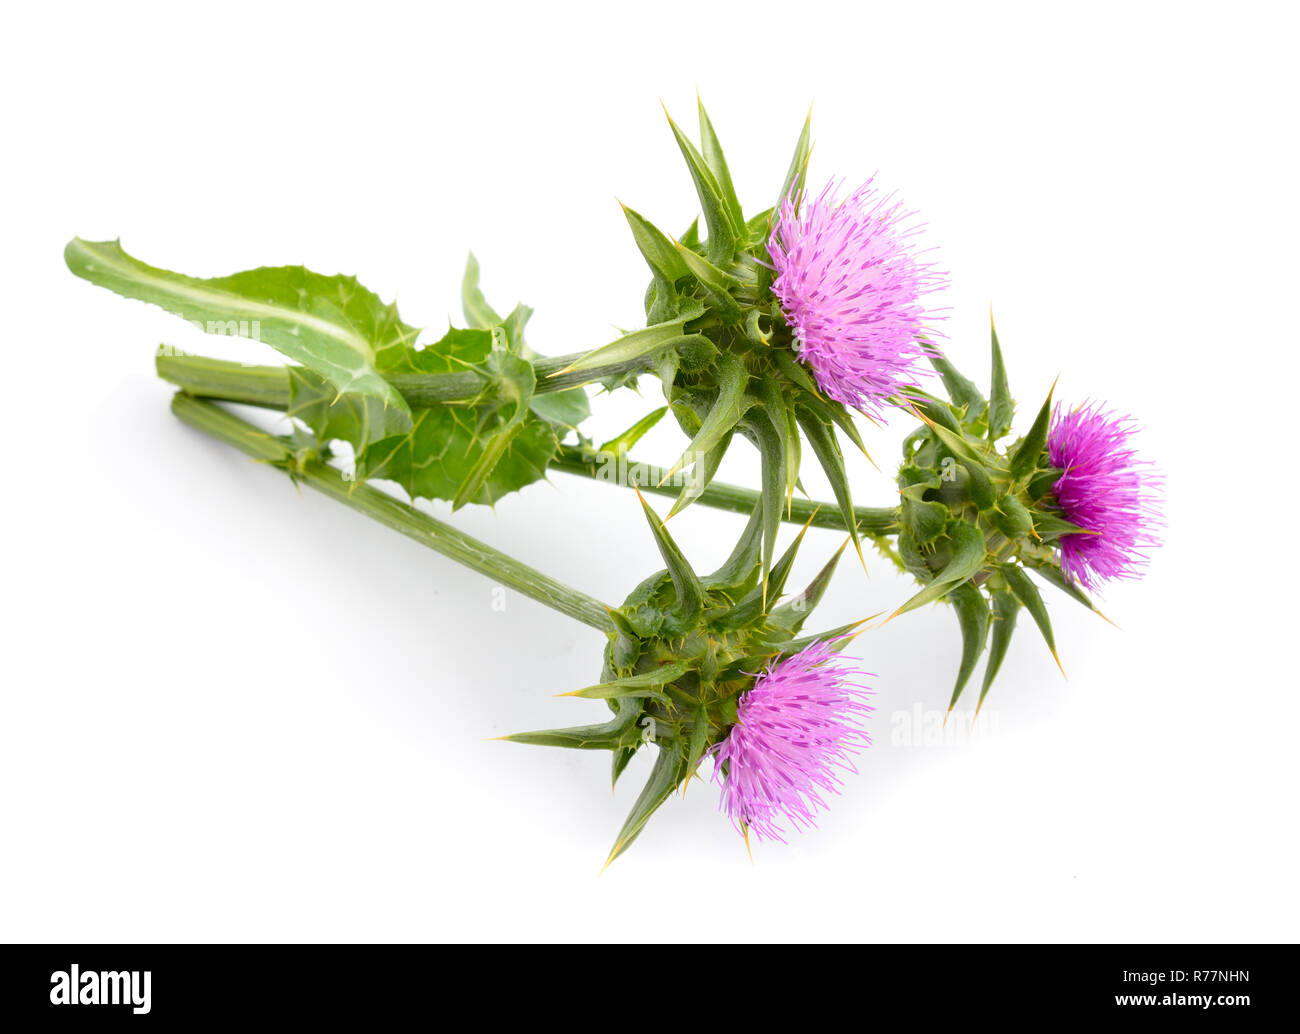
664,778
690,593
926,520
619,731
962,391
725,413
1042,483
1055,577
798,171
827,450
791,615
1025,458
658,251
619,762
1005,607
785,648
706,467
781,415
979,486
620,444
972,611
723,234
758,427
639,343
1028,595
717,285
795,371
646,684
1001,406
698,742
750,609
717,164
739,572
1049,527
1012,517
968,555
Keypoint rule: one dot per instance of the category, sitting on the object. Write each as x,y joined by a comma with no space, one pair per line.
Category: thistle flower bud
679,676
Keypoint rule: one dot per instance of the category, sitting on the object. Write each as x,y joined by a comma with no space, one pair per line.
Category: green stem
573,459
429,531
269,385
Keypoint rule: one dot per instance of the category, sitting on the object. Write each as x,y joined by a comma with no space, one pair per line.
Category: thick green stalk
413,523
269,385
627,472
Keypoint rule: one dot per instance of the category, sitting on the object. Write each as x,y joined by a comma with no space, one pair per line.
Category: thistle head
691,658
1105,489
851,288
798,726
1067,502
771,326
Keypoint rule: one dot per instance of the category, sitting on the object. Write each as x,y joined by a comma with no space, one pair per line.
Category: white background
230,711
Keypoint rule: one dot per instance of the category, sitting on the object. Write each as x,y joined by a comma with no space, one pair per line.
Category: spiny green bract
726,358
684,650
975,517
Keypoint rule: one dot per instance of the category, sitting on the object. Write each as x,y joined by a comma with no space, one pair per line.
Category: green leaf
668,771
1025,459
565,409
972,612
478,313
1027,593
723,234
330,324
1001,406
968,555
1005,607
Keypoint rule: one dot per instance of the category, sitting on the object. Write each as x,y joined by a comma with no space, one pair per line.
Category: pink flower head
796,726
851,286
1105,488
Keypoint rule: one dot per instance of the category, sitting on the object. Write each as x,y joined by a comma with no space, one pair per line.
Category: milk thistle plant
778,328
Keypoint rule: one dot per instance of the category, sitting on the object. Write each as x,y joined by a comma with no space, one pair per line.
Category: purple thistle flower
796,725
850,287
1105,488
